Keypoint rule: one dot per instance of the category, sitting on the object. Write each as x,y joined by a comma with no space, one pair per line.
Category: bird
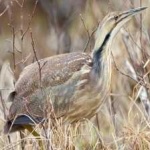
74,85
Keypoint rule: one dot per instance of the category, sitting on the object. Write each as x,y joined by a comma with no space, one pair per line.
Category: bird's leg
113,113
22,141
97,121
35,134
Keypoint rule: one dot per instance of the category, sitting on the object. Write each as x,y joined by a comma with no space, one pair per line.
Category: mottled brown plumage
55,70
60,76
74,84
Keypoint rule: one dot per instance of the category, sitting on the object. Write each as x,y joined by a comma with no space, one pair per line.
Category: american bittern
76,83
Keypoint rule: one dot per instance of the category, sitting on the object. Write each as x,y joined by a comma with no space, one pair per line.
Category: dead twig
3,106
141,36
13,44
88,33
121,71
30,20
4,11
24,60
19,4
14,32
35,55
140,81
84,25
21,28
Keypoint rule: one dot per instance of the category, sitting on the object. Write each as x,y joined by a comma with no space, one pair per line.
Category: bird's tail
19,123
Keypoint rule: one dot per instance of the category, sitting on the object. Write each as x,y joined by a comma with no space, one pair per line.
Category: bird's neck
101,69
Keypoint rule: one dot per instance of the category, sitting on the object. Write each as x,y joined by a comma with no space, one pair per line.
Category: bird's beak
127,14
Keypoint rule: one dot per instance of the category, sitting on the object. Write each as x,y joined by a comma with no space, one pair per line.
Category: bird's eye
116,17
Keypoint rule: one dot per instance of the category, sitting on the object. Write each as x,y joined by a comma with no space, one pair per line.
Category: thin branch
21,27
30,20
133,39
20,4
4,11
14,57
141,36
88,33
141,80
24,60
84,25
121,71
13,44
34,51
9,51
3,106
11,25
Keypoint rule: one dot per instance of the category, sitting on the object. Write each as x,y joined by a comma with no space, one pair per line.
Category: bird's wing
50,72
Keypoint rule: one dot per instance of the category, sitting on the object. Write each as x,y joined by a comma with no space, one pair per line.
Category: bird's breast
78,98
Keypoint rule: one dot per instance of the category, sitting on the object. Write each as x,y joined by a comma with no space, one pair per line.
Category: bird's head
112,23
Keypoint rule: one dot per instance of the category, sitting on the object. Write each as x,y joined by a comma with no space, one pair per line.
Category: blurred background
52,27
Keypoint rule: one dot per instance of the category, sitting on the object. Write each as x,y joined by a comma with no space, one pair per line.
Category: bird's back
54,70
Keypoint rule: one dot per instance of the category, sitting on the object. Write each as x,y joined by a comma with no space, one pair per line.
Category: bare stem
30,20
34,51
3,106
88,33
4,11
